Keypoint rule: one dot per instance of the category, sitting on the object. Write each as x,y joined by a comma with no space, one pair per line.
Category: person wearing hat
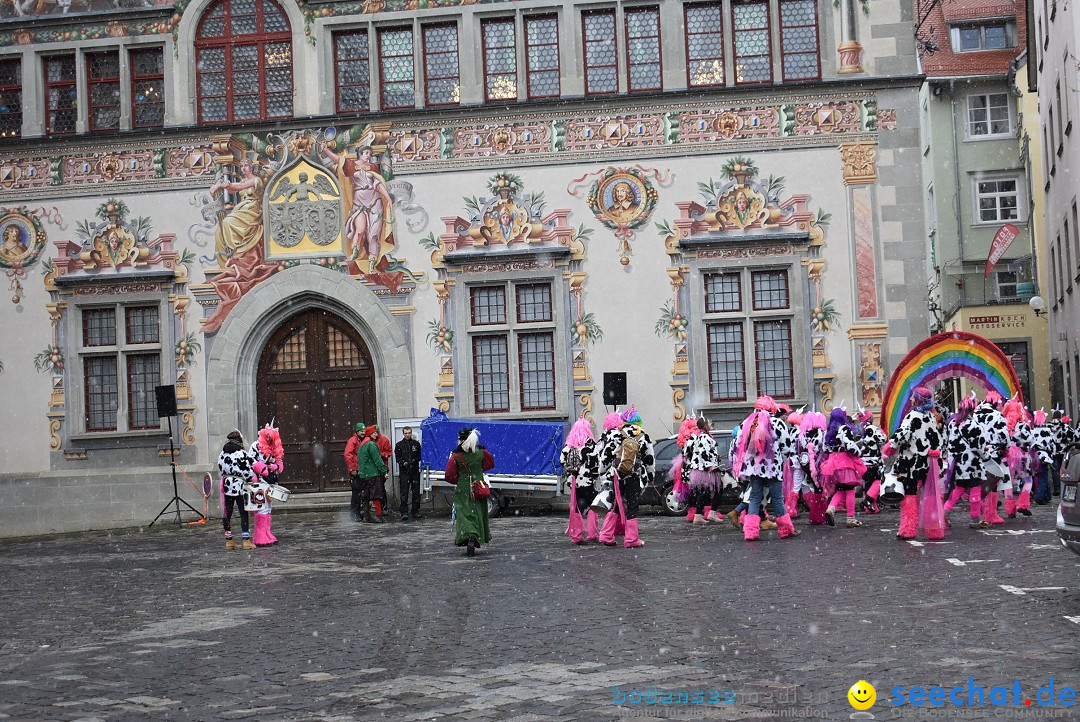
235,465
371,469
467,464
352,463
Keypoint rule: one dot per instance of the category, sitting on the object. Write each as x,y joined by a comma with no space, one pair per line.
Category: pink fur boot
909,517
1010,505
262,536
607,530
691,513
632,539
751,527
575,527
989,509
785,528
705,513
592,526
1023,504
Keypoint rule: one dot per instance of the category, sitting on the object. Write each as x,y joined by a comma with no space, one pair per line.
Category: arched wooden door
316,378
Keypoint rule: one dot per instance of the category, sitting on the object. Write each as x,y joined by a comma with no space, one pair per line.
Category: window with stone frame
800,57
542,56
11,97
500,59
243,62
352,79
749,346
704,44
442,83
121,353
644,63
147,87
61,94
512,331
989,115
753,45
103,81
397,78
598,46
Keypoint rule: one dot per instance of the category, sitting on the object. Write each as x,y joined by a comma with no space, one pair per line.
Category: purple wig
837,420
580,432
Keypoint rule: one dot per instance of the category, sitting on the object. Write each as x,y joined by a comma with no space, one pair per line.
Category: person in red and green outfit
467,463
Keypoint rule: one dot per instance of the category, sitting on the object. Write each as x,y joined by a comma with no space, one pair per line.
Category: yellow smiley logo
862,695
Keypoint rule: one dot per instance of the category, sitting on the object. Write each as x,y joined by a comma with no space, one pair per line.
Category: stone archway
232,361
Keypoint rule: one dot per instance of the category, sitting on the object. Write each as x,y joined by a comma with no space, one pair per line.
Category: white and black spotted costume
630,485
1042,440
587,464
814,438
918,434
871,442
964,442
993,432
770,467
235,465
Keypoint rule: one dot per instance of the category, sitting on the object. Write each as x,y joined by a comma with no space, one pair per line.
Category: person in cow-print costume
993,445
765,444
631,484
235,463
871,441
966,468
1045,445
916,444
1021,457
844,469
702,458
574,459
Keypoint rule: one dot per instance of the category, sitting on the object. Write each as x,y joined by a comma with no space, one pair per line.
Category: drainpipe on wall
956,186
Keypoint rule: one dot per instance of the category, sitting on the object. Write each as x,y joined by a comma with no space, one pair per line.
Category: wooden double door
316,379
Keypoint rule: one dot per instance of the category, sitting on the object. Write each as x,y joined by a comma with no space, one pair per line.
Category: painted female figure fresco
239,242
368,206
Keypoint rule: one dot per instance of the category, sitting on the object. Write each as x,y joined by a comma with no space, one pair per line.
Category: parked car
1068,516
662,493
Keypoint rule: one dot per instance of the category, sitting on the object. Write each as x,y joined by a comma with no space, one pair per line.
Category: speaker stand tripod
176,492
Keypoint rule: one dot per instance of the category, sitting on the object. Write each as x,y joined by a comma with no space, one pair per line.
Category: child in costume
917,447
706,484
269,456
844,469
234,463
679,474
1045,445
871,441
1020,457
579,448
810,441
604,480
765,443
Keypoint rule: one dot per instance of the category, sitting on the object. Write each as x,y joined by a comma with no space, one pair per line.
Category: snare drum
892,489
996,469
279,493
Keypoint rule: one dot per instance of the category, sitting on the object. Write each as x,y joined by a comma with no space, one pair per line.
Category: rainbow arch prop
947,355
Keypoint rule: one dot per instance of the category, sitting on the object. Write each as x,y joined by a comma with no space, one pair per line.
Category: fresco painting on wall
622,199
22,238
306,196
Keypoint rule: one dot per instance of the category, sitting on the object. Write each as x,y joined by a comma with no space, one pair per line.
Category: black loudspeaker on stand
615,388
166,406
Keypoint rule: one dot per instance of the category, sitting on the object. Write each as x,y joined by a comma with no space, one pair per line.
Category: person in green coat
467,463
371,469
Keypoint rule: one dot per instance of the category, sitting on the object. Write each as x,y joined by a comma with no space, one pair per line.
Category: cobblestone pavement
343,621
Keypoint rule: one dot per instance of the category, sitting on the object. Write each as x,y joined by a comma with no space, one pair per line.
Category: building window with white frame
997,199
121,364
1007,285
989,115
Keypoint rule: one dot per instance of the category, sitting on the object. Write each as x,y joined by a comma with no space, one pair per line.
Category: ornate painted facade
723,235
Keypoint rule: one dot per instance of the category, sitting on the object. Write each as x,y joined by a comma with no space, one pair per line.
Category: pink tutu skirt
710,480
842,469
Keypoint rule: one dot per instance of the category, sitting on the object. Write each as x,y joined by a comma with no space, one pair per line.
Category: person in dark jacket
235,465
407,456
352,449
371,469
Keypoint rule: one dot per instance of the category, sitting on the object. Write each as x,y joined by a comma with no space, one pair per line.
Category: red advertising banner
1002,240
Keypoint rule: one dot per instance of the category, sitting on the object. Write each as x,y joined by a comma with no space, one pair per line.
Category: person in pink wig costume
631,446
810,439
1045,444
993,444
966,469
917,448
577,457
1020,457
765,443
844,469
702,458
269,455
679,474
793,474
